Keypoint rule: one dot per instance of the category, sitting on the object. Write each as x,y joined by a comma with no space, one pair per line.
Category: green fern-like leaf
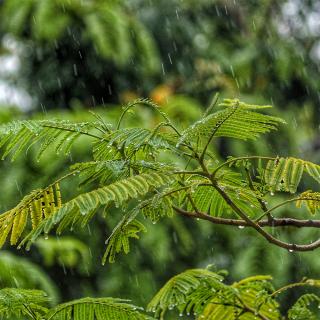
16,136
201,292
22,303
131,140
300,310
82,208
110,171
284,174
175,292
249,298
310,199
96,309
157,207
36,206
236,120
207,199
118,241
105,172
21,273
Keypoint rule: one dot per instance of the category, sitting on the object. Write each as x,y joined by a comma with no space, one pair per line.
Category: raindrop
75,70
64,268
163,71
177,14
217,10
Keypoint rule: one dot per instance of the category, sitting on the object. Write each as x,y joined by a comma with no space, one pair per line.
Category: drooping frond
68,252
174,294
118,241
235,120
310,199
157,207
17,136
21,273
36,206
22,303
284,174
96,309
82,208
301,309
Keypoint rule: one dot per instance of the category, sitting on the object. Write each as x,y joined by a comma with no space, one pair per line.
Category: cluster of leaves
198,292
202,292
134,175
31,303
128,164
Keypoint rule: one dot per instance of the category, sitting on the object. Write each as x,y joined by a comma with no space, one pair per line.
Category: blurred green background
61,58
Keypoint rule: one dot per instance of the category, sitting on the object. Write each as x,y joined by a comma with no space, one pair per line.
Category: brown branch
253,224
275,222
271,239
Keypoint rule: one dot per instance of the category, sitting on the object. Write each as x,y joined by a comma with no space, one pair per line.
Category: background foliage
98,55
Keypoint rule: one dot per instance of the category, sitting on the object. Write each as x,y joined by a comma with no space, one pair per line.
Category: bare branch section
275,222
